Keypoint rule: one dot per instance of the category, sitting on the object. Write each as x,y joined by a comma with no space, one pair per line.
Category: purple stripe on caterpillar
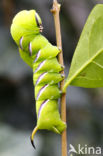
20,42
37,56
39,66
30,49
37,21
41,91
42,106
41,77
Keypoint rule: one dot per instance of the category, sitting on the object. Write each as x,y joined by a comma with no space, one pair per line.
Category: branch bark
55,11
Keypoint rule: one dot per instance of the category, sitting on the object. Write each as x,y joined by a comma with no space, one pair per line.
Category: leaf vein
80,77
99,65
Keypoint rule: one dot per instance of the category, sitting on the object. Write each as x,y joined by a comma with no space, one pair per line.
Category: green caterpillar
39,54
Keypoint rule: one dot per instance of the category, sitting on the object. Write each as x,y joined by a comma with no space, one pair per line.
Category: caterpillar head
26,23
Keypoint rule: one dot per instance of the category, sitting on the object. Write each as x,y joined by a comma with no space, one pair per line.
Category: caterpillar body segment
39,54
51,65
47,78
49,107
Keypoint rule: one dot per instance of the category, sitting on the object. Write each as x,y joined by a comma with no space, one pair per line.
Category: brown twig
55,11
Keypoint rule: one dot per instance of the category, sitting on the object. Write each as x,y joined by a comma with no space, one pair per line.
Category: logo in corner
72,149
85,149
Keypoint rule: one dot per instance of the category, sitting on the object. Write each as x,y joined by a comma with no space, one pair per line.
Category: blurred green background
17,104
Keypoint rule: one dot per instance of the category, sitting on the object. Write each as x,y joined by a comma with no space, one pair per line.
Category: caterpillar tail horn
32,136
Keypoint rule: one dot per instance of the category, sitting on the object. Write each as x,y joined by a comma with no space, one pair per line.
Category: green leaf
87,64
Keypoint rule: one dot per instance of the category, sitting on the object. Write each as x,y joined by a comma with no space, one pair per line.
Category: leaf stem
55,11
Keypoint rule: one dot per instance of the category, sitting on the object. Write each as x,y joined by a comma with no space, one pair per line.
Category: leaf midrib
83,67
